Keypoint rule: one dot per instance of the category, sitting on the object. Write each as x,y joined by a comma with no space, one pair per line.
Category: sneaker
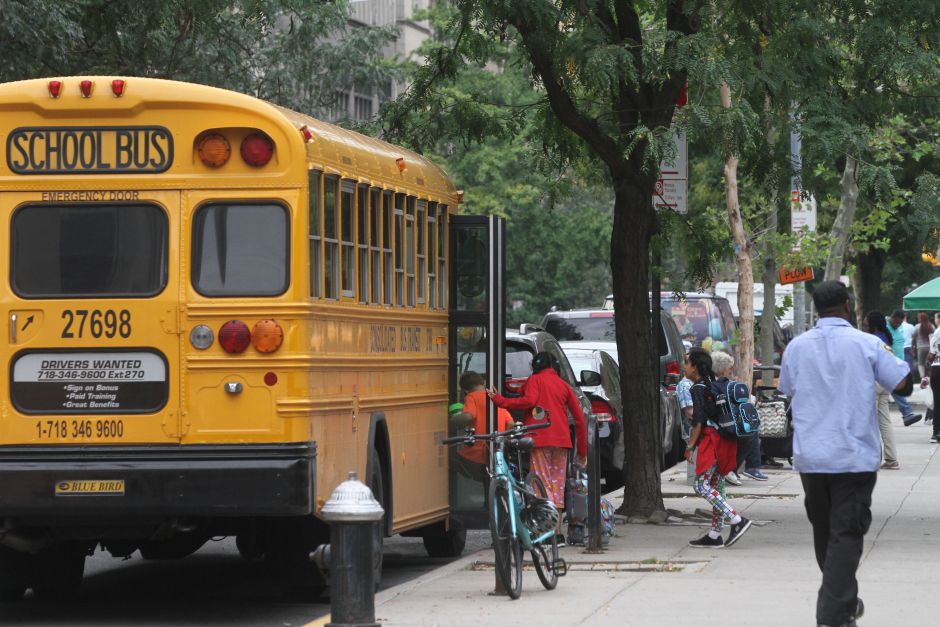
911,419
891,465
732,478
738,530
935,438
707,542
755,474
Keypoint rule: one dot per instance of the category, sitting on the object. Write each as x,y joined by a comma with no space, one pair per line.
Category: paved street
213,587
650,576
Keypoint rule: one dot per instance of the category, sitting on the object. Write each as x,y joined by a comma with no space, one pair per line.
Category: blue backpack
737,417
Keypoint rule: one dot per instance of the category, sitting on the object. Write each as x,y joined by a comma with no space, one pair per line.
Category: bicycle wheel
544,554
506,547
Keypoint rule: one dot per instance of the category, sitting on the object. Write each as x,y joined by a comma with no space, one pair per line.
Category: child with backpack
716,455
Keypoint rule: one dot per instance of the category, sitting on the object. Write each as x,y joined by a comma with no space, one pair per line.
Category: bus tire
58,571
287,546
443,542
14,574
377,485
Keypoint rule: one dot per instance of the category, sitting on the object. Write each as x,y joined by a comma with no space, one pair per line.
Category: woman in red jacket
547,390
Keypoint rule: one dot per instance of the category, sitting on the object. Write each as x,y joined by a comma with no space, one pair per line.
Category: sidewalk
649,576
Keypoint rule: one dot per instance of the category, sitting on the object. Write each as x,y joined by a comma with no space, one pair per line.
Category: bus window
399,250
315,240
375,208
432,255
330,241
410,250
92,250
348,252
240,250
442,256
421,230
362,239
387,267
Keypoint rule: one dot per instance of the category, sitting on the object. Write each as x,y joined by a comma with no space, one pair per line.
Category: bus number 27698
107,323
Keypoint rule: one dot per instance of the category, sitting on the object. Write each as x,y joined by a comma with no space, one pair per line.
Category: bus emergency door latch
233,387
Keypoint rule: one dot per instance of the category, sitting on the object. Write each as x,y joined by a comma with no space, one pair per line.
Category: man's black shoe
911,419
770,462
859,611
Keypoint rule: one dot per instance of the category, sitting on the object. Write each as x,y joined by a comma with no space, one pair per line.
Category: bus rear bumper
231,480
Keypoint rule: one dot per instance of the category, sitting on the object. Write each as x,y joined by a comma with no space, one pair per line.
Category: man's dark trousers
839,508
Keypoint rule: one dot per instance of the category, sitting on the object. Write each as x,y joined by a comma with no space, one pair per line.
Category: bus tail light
201,337
267,336
602,411
86,88
257,149
55,88
117,87
234,337
213,149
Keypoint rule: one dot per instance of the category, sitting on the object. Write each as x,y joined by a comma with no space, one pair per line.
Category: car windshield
596,328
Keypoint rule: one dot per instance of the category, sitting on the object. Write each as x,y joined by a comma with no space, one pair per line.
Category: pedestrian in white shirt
830,372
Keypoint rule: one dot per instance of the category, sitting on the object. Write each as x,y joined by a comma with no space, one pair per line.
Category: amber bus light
267,336
213,150
234,337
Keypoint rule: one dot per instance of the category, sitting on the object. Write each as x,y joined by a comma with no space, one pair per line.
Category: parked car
594,328
703,319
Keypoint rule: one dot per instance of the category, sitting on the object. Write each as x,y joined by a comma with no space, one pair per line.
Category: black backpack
737,417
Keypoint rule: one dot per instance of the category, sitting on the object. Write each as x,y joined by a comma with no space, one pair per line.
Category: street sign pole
796,183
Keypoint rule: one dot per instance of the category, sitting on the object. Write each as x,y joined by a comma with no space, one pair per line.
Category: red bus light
86,88
55,88
257,149
234,337
117,87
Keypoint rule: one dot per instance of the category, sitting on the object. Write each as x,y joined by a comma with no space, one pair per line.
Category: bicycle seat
522,443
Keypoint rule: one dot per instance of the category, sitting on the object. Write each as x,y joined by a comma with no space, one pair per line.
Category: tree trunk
634,225
870,265
744,361
768,313
842,227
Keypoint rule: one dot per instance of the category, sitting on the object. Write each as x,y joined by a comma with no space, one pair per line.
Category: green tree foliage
293,52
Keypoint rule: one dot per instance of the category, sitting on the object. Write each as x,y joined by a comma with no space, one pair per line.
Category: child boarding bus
216,308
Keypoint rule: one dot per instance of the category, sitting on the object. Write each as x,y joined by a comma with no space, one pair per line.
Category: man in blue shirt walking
830,374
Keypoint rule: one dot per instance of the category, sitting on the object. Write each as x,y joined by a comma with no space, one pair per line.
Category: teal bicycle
522,517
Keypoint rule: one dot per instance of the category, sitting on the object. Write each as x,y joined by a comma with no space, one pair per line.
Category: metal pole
796,184
594,544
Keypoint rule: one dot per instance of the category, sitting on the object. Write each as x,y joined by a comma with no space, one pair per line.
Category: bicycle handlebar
515,432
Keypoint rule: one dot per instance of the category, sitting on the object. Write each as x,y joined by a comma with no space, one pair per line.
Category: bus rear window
71,251
240,250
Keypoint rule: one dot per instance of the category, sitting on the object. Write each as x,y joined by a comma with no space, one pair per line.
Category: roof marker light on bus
117,87
86,87
307,133
234,337
402,166
201,337
267,336
257,149
55,88
213,149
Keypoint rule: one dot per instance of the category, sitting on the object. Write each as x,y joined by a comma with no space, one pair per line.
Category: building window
363,108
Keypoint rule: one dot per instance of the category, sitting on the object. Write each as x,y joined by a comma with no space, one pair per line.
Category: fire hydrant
353,514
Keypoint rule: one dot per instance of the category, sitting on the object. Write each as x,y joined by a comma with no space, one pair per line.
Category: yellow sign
85,487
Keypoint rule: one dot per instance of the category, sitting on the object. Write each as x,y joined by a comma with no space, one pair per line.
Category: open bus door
476,342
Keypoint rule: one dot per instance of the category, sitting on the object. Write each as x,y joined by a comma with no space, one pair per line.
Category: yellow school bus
215,309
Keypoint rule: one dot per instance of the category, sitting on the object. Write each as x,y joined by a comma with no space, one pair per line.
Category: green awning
925,297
